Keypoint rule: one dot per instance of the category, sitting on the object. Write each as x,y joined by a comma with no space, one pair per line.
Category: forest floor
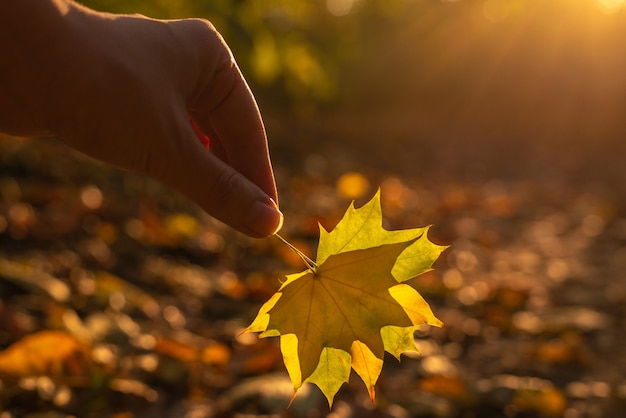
120,298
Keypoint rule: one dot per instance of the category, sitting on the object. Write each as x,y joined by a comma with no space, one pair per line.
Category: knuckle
202,26
219,69
229,187
206,36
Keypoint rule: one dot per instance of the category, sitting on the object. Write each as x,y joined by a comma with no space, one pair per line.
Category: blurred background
500,122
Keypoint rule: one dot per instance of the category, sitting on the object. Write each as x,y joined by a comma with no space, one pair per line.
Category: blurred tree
295,49
292,48
528,67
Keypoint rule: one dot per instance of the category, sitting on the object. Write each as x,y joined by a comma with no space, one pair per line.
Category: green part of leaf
398,340
360,229
417,259
332,371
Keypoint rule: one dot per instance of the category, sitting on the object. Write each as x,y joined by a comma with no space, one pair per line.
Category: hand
122,89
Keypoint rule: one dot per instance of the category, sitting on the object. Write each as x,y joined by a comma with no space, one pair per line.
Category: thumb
217,188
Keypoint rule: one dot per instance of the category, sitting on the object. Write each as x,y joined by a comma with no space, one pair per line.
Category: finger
218,188
231,114
214,145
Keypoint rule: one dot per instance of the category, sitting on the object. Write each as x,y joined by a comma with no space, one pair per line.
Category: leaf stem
310,263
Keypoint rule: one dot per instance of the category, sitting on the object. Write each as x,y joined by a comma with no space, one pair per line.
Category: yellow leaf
326,308
263,318
414,305
366,365
351,304
289,349
46,353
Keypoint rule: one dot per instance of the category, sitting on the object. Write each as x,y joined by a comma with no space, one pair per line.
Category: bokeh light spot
174,317
92,198
339,7
352,185
610,6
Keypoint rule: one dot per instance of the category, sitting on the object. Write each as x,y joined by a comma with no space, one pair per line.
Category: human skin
126,90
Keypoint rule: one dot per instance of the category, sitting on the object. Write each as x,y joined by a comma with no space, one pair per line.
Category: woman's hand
125,90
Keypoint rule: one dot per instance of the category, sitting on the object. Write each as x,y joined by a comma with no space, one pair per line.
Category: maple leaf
351,305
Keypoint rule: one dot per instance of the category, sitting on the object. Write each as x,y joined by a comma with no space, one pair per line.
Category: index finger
227,111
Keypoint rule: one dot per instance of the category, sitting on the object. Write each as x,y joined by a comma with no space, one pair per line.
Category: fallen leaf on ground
46,353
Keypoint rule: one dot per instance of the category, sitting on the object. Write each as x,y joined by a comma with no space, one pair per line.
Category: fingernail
264,218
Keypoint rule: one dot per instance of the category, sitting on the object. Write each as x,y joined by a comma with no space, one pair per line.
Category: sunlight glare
610,6
495,10
340,7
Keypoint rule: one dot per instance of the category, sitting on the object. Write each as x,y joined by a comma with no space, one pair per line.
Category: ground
121,298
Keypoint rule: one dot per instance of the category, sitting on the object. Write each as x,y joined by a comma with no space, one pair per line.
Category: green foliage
425,67
303,51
